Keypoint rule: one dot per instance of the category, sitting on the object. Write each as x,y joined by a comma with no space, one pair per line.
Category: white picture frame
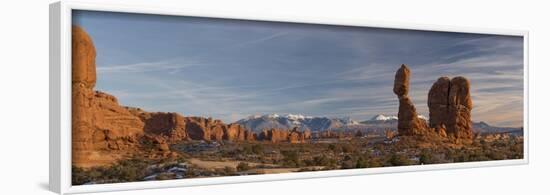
60,98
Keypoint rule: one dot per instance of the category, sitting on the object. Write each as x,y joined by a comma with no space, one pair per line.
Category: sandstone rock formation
283,135
408,121
274,135
450,106
307,134
99,123
167,124
104,131
199,128
296,136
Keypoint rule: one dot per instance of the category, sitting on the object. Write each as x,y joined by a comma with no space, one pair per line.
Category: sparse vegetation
243,166
348,154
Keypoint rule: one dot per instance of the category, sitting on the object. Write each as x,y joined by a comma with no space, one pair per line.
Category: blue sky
230,69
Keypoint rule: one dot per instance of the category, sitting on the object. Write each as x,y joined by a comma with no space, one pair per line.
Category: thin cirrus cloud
230,69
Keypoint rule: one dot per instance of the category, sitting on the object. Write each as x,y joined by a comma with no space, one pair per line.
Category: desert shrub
163,177
496,155
426,157
122,171
79,176
323,160
346,148
258,149
242,166
399,160
347,164
375,162
361,163
229,170
291,158
128,170
332,147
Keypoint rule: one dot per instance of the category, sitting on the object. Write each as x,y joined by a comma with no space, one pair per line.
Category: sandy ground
220,164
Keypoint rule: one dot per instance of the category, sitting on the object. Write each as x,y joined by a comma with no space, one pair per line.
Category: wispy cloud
141,67
230,70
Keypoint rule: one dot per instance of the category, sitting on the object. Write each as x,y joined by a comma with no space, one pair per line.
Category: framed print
149,98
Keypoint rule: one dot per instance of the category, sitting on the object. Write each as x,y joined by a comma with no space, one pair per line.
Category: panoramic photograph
158,97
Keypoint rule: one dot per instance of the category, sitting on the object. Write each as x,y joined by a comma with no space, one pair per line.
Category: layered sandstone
99,123
104,131
282,135
408,121
450,106
274,135
170,125
199,128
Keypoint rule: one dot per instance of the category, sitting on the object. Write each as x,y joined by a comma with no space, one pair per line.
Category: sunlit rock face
408,121
450,106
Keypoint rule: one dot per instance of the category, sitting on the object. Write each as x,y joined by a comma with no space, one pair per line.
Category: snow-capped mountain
377,124
381,117
288,121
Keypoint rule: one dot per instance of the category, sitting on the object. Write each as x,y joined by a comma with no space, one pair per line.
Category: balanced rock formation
99,123
450,106
408,121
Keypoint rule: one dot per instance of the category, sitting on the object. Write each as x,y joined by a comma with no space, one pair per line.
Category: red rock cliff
99,123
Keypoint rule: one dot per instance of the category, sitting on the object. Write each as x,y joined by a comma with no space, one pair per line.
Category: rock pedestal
408,121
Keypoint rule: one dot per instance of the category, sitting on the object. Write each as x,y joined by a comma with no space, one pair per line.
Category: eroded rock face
408,121
296,136
401,82
438,102
198,128
283,135
167,124
274,135
250,136
99,123
104,131
307,134
83,58
450,106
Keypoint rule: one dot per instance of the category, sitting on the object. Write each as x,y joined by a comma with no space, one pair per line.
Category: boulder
401,82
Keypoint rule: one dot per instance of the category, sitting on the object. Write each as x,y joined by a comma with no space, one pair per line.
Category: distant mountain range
376,124
288,121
